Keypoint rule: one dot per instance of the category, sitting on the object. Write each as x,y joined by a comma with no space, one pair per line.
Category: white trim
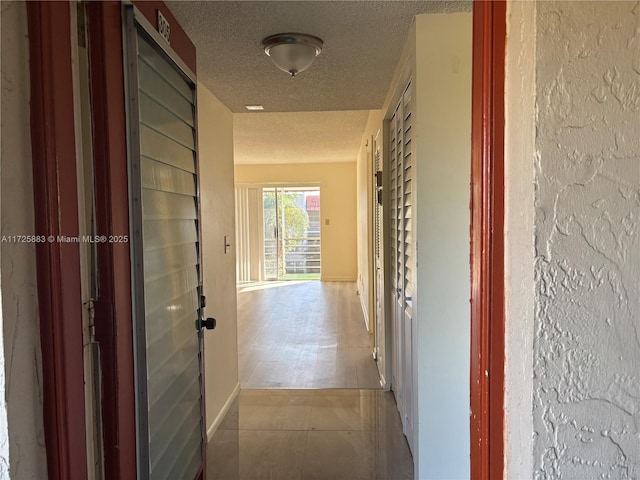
383,383
365,310
223,411
338,279
278,184
84,166
519,250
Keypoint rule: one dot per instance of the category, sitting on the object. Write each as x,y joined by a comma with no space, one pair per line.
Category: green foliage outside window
296,218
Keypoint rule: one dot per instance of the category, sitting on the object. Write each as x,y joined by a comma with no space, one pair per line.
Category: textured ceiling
363,43
303,137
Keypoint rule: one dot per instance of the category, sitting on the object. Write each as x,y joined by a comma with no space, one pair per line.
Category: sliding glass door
291,217
271,229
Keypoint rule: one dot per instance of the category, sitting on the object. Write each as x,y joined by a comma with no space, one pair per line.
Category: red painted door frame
56,213
487,241
113,310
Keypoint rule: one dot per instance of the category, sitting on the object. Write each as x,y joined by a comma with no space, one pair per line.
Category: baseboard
365,311
223,411
383,383
338,279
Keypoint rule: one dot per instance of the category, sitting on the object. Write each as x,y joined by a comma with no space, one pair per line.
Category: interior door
395,237
402,260
378,233
408,264
165,217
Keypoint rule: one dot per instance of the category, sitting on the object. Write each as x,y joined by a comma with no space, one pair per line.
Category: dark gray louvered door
166,258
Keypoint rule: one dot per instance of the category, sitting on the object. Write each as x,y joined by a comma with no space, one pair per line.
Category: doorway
402,259
122,415
278,232
291,244
167,287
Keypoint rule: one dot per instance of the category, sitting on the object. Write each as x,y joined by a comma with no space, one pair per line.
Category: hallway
310,434
305,334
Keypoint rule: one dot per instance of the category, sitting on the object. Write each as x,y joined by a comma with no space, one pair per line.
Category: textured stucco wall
23,375
586,391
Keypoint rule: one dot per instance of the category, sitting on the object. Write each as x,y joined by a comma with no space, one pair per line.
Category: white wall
586,387
518,231
22,368
215,141
442,79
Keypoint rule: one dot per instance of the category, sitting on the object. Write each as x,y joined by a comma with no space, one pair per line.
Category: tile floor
303,334
344,434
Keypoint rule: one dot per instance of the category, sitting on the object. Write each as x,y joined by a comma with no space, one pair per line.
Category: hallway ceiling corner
363,43
320,115
298,137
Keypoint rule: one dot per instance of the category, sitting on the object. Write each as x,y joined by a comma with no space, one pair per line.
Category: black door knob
209,323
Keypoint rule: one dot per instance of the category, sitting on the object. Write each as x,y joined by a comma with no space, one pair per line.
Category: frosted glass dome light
292,52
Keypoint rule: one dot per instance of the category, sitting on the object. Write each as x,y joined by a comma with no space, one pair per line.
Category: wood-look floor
303,334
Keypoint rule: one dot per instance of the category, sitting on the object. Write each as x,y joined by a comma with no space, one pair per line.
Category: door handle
209,323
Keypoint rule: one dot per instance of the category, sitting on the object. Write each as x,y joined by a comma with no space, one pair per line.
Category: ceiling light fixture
254,108
292,52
